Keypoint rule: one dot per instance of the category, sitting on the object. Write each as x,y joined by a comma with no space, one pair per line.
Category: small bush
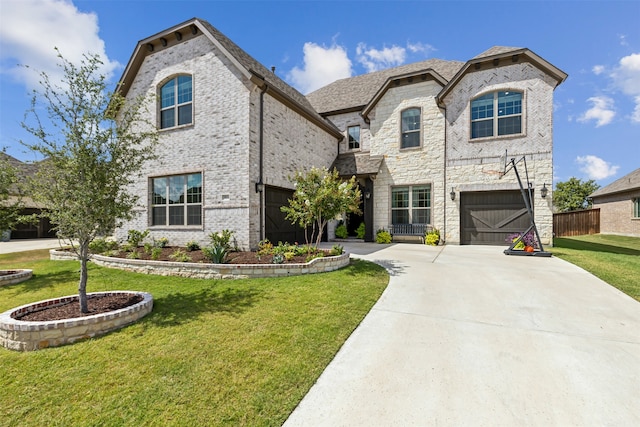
341,231
148,247
289,255
135,237
383,236
432,238
336,250
127,247
278,259
133,255
180,256
223,238
192,245
315,255
100,246
161,242
360,231
155,253
265,247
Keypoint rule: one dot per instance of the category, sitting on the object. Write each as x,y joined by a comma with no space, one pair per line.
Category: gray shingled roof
626,183
497,50
349,164
357,91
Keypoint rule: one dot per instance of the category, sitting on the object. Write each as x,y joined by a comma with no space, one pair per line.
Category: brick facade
616,213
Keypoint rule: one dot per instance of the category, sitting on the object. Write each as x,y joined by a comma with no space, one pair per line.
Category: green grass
240,352
614,259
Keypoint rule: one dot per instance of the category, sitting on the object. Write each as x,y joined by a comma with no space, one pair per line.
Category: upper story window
496,113
176,102
410,119
354,137
177,200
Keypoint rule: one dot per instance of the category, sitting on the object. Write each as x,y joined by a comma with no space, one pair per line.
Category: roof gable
626,183
245,63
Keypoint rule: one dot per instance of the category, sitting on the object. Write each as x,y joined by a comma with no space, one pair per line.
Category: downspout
443,235
260,183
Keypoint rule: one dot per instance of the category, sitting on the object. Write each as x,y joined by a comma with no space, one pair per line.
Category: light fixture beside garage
259,186
544,190
452,194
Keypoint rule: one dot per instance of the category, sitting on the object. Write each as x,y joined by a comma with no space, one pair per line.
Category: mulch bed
97,305
232,258
7,272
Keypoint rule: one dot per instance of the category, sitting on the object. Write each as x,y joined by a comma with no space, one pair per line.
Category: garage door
488,217
277,228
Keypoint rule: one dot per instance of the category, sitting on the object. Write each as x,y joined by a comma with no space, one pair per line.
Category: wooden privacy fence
576,223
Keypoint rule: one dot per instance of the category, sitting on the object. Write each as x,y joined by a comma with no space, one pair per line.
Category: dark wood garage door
277,228
488,217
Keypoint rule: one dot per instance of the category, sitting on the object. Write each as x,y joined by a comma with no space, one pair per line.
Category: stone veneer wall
213,271
412,166
343,121
616,213
477,165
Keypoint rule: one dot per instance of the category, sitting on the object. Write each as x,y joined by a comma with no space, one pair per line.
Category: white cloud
377,59
623,40
322,65
601,111
595,167
420,47
627,78
598,69
31,29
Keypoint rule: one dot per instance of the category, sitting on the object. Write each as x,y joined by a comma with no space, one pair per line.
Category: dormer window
176,102
496,113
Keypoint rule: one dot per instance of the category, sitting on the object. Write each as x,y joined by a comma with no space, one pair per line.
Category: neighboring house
41,228
619,204
426,141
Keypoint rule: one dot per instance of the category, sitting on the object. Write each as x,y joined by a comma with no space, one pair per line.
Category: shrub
432,237
383,236
278,259
360,231
265,247
314,255
217,254
133,255
155,253
148,247
161,242
336,250
289,255
180,256
100,246
341,231
192,245
135,237
223,238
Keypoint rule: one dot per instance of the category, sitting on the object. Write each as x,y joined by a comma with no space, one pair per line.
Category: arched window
497,113
410,132
176,102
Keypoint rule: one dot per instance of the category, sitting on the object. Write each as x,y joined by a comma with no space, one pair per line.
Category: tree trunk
83,254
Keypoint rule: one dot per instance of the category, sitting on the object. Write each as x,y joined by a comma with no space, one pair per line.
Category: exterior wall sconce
259,186
544,190
367,194
452,194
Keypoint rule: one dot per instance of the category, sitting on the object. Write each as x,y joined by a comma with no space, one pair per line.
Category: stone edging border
26,336
20,275
213,271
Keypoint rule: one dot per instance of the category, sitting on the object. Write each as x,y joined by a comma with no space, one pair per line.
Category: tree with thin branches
94,143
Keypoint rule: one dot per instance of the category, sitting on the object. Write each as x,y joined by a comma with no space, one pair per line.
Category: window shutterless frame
176,102
353,135
410,128
497,113
176,200
411,204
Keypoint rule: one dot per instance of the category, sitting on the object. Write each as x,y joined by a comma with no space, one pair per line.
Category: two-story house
427,140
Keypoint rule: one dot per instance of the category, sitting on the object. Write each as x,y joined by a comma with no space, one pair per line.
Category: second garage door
488,217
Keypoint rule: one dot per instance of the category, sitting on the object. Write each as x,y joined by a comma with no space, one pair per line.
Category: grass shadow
180,307
580,245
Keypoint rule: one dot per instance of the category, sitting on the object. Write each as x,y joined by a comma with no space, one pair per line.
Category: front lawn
237,352
614,259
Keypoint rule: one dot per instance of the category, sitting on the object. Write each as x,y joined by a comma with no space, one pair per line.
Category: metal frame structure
527,195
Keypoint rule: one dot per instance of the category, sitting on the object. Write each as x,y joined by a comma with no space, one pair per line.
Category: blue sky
311,43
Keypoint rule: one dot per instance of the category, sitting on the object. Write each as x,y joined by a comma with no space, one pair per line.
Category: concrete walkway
468,336
21,245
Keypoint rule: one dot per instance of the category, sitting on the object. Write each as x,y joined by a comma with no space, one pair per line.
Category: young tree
9,207
94,144
572,194
319,197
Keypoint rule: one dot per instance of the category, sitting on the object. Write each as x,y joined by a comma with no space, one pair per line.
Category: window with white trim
176,102
354,137
176,200
410,132
497,113
411,204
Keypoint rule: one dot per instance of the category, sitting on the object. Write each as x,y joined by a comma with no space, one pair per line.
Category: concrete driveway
468,336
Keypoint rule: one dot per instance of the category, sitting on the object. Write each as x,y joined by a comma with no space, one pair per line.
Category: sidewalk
21,245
